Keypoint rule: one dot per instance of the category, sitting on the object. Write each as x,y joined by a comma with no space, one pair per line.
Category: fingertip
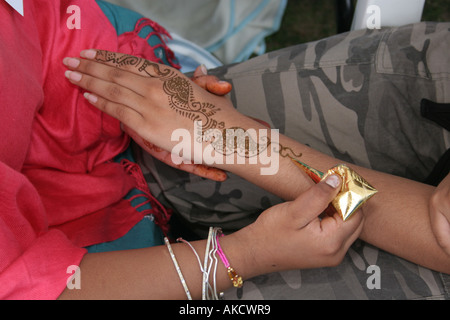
225,85
218,87
203,69
90,97
334,181
73,76
200,71
222,176
88,54
71,62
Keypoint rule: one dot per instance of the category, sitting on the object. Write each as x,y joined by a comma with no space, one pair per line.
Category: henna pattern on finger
119,61
156,69
122,60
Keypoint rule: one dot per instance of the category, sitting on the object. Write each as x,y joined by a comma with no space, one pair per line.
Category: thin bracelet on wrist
177,267
232,274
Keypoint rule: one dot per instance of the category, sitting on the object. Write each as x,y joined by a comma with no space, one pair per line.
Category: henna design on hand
180,92
119,61
181,99
237,140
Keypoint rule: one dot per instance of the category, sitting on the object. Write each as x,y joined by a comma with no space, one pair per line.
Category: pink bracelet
234,277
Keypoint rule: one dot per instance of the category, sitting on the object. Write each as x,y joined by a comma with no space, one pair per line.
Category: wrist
242,251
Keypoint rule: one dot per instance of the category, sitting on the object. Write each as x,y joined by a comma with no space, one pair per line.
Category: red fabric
59,189
131,42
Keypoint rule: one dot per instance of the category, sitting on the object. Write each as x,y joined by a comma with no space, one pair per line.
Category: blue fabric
188,55
258,40
145,233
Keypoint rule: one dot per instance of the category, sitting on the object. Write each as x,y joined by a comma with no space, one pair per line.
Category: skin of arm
440,214
286,236
155,100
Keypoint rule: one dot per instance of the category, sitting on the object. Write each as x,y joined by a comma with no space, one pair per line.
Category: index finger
129,63
310,204
342,233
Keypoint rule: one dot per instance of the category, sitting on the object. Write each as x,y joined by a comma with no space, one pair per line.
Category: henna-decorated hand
151,100
213,85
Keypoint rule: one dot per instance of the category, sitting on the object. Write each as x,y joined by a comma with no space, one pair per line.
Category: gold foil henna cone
355,190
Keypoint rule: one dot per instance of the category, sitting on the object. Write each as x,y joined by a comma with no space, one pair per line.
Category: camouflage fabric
355,96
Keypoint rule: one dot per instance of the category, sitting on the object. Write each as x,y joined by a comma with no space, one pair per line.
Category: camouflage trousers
355,96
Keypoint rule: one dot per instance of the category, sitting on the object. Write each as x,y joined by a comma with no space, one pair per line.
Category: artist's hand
291,235
440,214
150,100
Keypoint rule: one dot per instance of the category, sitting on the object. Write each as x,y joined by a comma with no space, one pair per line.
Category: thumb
311,203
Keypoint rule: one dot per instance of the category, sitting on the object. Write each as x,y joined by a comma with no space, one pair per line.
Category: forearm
398,221
149,273
396,218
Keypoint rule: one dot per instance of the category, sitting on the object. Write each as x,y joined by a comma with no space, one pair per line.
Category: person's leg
355,96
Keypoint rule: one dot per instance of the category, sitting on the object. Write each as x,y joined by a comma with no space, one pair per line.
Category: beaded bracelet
234,277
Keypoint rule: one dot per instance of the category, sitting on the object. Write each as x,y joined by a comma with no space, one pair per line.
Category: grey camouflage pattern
366,85
355,96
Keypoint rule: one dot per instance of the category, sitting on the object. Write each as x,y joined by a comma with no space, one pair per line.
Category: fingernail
74,76
90,97
333,181
88,54
203,69
71,62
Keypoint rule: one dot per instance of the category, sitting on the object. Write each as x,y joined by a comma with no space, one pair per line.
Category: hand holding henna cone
355,190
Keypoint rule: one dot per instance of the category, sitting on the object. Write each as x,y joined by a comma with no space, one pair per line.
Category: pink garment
59,189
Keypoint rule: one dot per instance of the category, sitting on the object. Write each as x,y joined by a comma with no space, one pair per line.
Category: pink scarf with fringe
60,188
